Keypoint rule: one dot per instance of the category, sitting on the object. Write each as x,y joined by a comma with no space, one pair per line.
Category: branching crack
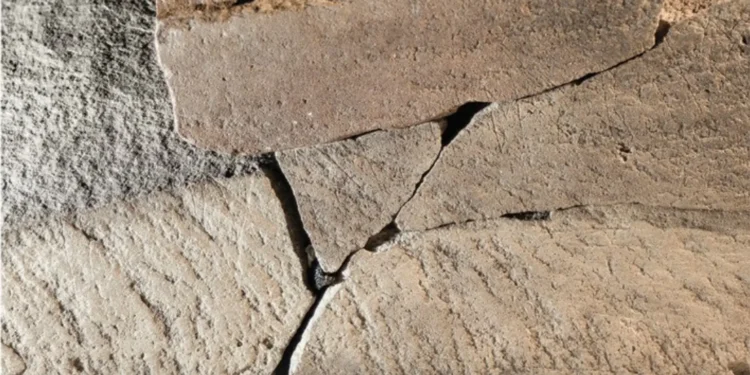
322,284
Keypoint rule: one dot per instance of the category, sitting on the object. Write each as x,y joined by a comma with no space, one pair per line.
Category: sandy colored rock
348,191
600,290
12,363
204,281
86,112
679,10
265,82
671,128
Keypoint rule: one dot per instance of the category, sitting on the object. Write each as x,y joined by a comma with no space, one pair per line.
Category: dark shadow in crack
295,228
386,234
661,32
459,119
308,321
285,365
528,215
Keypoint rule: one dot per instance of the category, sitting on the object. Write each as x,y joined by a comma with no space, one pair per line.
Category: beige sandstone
265,82
348,191
203,281
671,128
679,10
596,290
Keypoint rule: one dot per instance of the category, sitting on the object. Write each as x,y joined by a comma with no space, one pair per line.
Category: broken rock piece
348,191
86,114
595,290
671,128
204,281
266,82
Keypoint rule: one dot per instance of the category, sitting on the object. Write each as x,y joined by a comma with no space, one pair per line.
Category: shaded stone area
86,113
265,82
671,128
595,290
202,281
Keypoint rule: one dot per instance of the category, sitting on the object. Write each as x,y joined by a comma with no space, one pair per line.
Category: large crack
321,284
325,285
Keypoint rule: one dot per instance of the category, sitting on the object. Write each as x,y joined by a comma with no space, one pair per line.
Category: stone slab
597,290
348,191
203,281
671,128
86,112
271,81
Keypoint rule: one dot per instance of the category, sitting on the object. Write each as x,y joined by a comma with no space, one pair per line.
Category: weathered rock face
671,128
348,191
204,281
646,273
266,82
86,113
609,289
679,10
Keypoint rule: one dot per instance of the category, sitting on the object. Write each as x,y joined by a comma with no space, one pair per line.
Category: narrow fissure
297,234
453,124
295,348
661,32
528,216
322,284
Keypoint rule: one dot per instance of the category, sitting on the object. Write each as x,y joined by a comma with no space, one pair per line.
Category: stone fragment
265,82
86,112
12,363
348,191
203,281
671,128
598,290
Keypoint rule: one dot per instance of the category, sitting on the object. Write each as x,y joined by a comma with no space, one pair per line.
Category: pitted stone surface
625,289
671,128
86,113
203,281
265,82
348,191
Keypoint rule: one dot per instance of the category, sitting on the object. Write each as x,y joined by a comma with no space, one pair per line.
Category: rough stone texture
12,363
177,12
86,113
204,281
671,128
348,191
678,10
601,290
266,82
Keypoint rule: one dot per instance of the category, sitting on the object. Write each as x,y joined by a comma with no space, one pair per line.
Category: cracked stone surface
616,153
595,290
264,82
87,116
202,281
348,191
671,128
